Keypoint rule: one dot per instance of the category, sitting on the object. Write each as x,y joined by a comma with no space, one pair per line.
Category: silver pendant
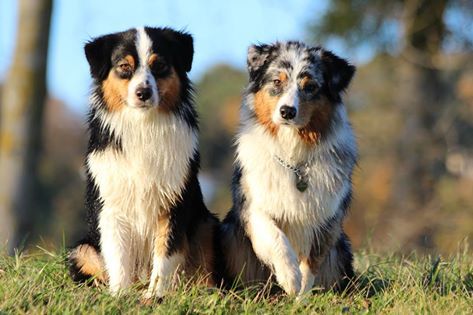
301,178
301,183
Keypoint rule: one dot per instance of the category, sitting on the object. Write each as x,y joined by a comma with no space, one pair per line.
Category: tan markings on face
115,91
305,80
169,91
265,105
282,77
130,60
319,114
152,59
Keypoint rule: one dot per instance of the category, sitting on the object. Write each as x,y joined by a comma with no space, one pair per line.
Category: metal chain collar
295,169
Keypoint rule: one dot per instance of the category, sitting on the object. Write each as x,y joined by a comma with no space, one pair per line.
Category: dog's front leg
272,246
167,257
164,268
308,276
115,247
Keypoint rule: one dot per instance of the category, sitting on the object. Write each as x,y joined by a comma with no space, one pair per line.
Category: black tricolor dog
292,184
145,209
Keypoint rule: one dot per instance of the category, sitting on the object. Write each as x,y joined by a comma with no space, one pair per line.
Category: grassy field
38,283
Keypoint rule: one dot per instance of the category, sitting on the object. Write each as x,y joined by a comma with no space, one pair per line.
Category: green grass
39,283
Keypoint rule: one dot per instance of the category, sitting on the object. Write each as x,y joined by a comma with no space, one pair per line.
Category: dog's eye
310,87
125,67
277,82
160,67
124,70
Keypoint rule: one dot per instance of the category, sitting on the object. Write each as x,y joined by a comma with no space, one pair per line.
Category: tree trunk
421,148
23,99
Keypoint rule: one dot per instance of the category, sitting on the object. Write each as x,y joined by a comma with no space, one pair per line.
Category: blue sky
222,31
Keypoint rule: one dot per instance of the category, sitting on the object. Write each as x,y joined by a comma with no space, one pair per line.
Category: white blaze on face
143,77
298,60
289,98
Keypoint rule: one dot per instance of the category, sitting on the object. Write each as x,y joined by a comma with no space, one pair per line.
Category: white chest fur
150,171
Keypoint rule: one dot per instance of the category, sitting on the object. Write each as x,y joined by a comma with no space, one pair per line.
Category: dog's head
141,68
296,86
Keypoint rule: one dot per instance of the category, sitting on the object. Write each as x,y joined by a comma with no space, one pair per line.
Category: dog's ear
338,72
183,45
98,53
258,56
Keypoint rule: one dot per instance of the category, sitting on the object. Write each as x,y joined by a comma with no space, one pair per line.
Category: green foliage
38,283
358,22
379,24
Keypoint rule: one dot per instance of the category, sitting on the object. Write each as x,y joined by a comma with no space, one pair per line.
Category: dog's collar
301,171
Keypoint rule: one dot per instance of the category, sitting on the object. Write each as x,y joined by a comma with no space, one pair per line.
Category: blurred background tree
218,99
21,126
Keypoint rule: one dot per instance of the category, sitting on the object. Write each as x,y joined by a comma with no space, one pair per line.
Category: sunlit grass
39,283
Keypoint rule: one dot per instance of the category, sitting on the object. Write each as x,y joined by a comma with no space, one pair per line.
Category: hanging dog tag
301,178
301,183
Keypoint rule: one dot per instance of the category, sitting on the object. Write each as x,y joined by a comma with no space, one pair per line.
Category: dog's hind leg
85,262
336,270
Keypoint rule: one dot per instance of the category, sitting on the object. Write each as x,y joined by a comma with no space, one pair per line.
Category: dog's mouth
288,123
143,105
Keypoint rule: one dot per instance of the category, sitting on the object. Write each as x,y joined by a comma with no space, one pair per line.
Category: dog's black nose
287,112
143,93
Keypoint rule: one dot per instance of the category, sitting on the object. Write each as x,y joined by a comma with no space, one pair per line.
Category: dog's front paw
148,299
115,290
289,278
